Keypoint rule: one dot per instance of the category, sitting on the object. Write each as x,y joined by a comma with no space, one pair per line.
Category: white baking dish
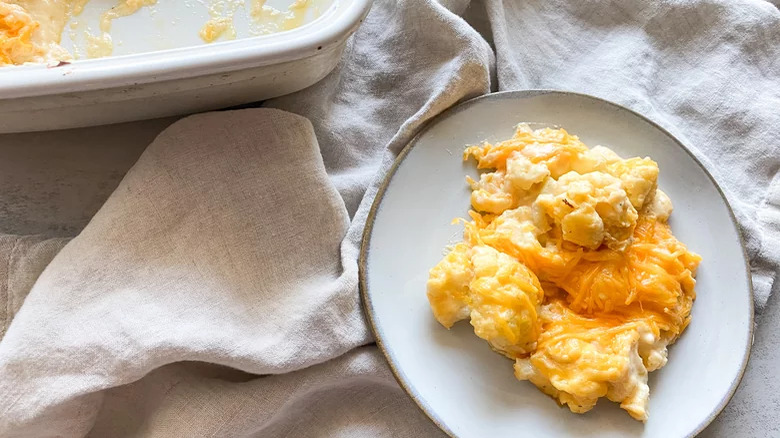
176,81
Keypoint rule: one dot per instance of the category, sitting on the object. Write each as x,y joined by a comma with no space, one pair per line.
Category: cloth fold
215,293
221,245
22,259
351,395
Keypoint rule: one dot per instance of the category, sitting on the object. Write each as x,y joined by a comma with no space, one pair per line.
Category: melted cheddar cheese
26,37
500,296
569,268
16,29
31,30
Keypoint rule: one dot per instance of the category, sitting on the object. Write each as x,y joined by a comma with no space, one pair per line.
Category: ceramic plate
470,391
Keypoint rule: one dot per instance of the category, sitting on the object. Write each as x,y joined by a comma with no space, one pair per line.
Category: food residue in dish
31,30
103,45
221,21
569,267
99,45
122,9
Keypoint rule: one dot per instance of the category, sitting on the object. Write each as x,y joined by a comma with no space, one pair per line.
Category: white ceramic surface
470,391
180,80
171,24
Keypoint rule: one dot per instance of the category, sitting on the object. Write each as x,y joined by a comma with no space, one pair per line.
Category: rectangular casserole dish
176,81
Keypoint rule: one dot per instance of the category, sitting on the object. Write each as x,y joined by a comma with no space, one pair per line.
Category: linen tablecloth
215,292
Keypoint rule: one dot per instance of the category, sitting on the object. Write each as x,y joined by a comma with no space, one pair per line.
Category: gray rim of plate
368,306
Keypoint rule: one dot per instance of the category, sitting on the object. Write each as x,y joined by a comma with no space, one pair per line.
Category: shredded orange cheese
16,30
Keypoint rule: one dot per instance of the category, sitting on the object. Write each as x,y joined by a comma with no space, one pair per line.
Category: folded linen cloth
22,259
229,251
221,245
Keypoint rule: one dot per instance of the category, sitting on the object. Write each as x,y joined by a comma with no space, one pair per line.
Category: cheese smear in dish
31,30
569,268
39,40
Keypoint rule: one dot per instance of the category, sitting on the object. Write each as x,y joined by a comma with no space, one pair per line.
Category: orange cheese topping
653,276
31,30
16,30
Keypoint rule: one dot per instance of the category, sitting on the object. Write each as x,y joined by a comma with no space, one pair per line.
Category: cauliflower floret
596,159
591,209
505,296
498,293
522,173
639,177
583,226
579,360
660,206
652,348
521,226
552,148
557,158
448,286
492,193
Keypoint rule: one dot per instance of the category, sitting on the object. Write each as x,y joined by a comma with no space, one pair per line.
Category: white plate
470,391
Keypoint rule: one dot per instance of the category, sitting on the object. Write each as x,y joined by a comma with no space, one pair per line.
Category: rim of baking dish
365,296
336,24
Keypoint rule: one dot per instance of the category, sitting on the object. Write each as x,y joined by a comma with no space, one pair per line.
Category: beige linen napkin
222,245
